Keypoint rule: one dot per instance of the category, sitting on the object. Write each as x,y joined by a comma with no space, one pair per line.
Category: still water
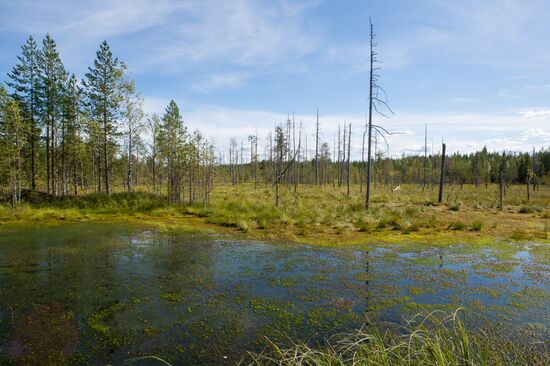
103,293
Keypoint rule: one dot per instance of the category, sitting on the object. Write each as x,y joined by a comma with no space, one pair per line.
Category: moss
420,290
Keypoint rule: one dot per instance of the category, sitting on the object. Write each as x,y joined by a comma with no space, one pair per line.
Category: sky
477,72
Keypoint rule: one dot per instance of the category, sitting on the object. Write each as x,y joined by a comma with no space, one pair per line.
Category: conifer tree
172,146
24,79
71,139
103,97
52,78
133,116
12,131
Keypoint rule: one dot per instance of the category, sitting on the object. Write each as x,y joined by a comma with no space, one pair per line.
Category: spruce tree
102,90
172,144
25,82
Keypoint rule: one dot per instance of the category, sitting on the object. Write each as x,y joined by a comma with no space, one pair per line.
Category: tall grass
426,339
322,211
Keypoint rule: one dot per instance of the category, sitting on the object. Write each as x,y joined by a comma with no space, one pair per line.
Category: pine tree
12,132
133,117
52,78
103,97
71,140
25,82
155,131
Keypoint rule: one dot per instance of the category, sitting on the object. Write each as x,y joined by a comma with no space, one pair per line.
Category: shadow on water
100,293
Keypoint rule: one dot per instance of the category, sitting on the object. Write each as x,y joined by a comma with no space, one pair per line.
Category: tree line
66,136
330,164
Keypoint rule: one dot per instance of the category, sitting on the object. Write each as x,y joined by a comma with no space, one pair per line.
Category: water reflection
104,293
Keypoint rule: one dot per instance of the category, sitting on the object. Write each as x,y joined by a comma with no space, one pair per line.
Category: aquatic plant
426,339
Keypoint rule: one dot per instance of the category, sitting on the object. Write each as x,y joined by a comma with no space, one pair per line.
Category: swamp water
102,293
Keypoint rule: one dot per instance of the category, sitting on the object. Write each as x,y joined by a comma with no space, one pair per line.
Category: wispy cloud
535,114
227,80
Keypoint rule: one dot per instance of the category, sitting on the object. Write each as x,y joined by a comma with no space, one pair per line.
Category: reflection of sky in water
134,291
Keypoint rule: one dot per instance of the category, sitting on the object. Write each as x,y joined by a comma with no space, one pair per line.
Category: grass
314,215
426,339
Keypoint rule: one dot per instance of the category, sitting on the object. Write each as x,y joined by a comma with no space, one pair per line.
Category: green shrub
392,221
529,209
243,226
455,206
476,226
456,225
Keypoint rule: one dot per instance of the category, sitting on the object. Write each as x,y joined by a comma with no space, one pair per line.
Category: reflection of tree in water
367,294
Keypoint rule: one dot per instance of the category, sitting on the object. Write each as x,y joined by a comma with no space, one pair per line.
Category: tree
172,146
25,82
12,131
280,151
154,125
317,149
132,113
71,140
374,103
102,89
52,78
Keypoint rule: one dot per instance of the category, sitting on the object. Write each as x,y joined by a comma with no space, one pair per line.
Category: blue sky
478,72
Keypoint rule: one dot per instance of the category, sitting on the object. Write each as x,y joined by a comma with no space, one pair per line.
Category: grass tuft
426,339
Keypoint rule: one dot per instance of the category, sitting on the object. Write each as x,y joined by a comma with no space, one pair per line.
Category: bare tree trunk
528,184
105,159
48,183
369,140
317,149
501,182
442,177
129,173
535,180
425,156
349,156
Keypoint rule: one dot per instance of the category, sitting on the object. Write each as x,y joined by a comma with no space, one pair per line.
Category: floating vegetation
426,339
135,290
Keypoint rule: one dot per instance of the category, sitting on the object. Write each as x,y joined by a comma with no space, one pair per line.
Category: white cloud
240,32
461,132
533,114
507,94
538,133
94,20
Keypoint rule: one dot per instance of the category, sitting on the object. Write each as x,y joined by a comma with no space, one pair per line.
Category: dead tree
281,147
535,180
375,102
362,159
349,157
501,181
425,156
317,149
442,176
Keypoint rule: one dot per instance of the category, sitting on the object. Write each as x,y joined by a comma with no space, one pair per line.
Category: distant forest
68,136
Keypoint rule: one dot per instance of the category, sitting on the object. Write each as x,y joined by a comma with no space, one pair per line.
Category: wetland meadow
124,279
274,183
